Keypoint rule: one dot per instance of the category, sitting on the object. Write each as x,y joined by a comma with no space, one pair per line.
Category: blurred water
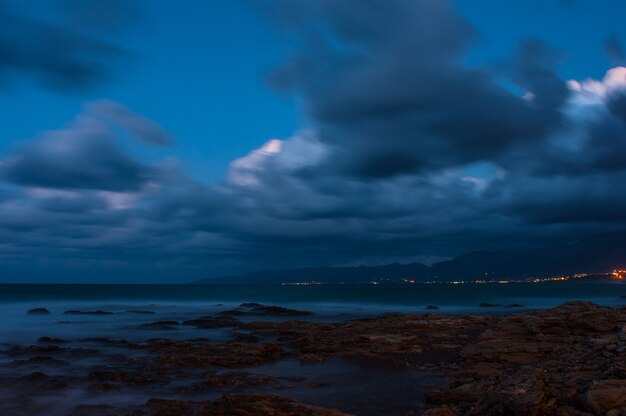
329,302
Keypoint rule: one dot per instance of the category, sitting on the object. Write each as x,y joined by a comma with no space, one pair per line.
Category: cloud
409,153
143,128
63,45
85,154
386,84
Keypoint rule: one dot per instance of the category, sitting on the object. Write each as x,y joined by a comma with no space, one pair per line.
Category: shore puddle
354,386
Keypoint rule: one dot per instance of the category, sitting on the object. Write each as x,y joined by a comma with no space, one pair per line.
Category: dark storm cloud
385,83
617,104
61,44
534,69
85,154
409,153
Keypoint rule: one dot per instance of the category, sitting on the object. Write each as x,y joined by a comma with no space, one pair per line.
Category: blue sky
200,71
136,136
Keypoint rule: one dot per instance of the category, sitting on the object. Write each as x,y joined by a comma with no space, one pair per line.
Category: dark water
329,302
384,296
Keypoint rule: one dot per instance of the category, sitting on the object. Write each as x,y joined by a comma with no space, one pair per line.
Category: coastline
567,360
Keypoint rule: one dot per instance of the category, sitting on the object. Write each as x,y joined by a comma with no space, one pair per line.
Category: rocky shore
569,360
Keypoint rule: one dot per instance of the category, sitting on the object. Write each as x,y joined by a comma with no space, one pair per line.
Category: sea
327,302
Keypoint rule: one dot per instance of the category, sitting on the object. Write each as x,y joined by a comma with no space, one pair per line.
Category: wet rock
98,312
514,305
120,343
140,312
51,340
250,305
257,309
265,405
318,384
439,411
188,354
231,380
541,363
209,322
40,383
93,410
278,311
246,338
606,395
488,305
34,350
432,307
38,311
227,405
160,325
38,361
128,378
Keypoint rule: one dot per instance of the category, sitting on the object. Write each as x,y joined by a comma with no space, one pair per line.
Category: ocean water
328,302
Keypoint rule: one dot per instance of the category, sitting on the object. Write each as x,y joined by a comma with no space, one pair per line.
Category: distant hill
594,255
358,274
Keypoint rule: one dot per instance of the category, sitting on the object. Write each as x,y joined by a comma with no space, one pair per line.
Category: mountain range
599,254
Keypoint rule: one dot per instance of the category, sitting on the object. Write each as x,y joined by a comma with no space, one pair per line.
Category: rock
432,307
278,311
241,379
38,311
488,305
120,343
160,325
93,410
39,361
51,340
514,305
74,312
439,411
262,310
265,405
246,338
187,354
140,312
250,305
132,378
606,395
233,312
209,322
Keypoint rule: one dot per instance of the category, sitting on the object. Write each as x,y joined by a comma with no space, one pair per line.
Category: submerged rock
263,310
98,312
51,340
227,405
160,325
38,311
210,322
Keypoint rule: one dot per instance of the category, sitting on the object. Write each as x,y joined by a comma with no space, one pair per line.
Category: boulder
606,395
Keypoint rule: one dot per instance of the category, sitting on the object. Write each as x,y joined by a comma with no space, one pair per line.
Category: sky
160,141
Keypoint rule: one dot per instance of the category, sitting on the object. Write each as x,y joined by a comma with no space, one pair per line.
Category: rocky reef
569,360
